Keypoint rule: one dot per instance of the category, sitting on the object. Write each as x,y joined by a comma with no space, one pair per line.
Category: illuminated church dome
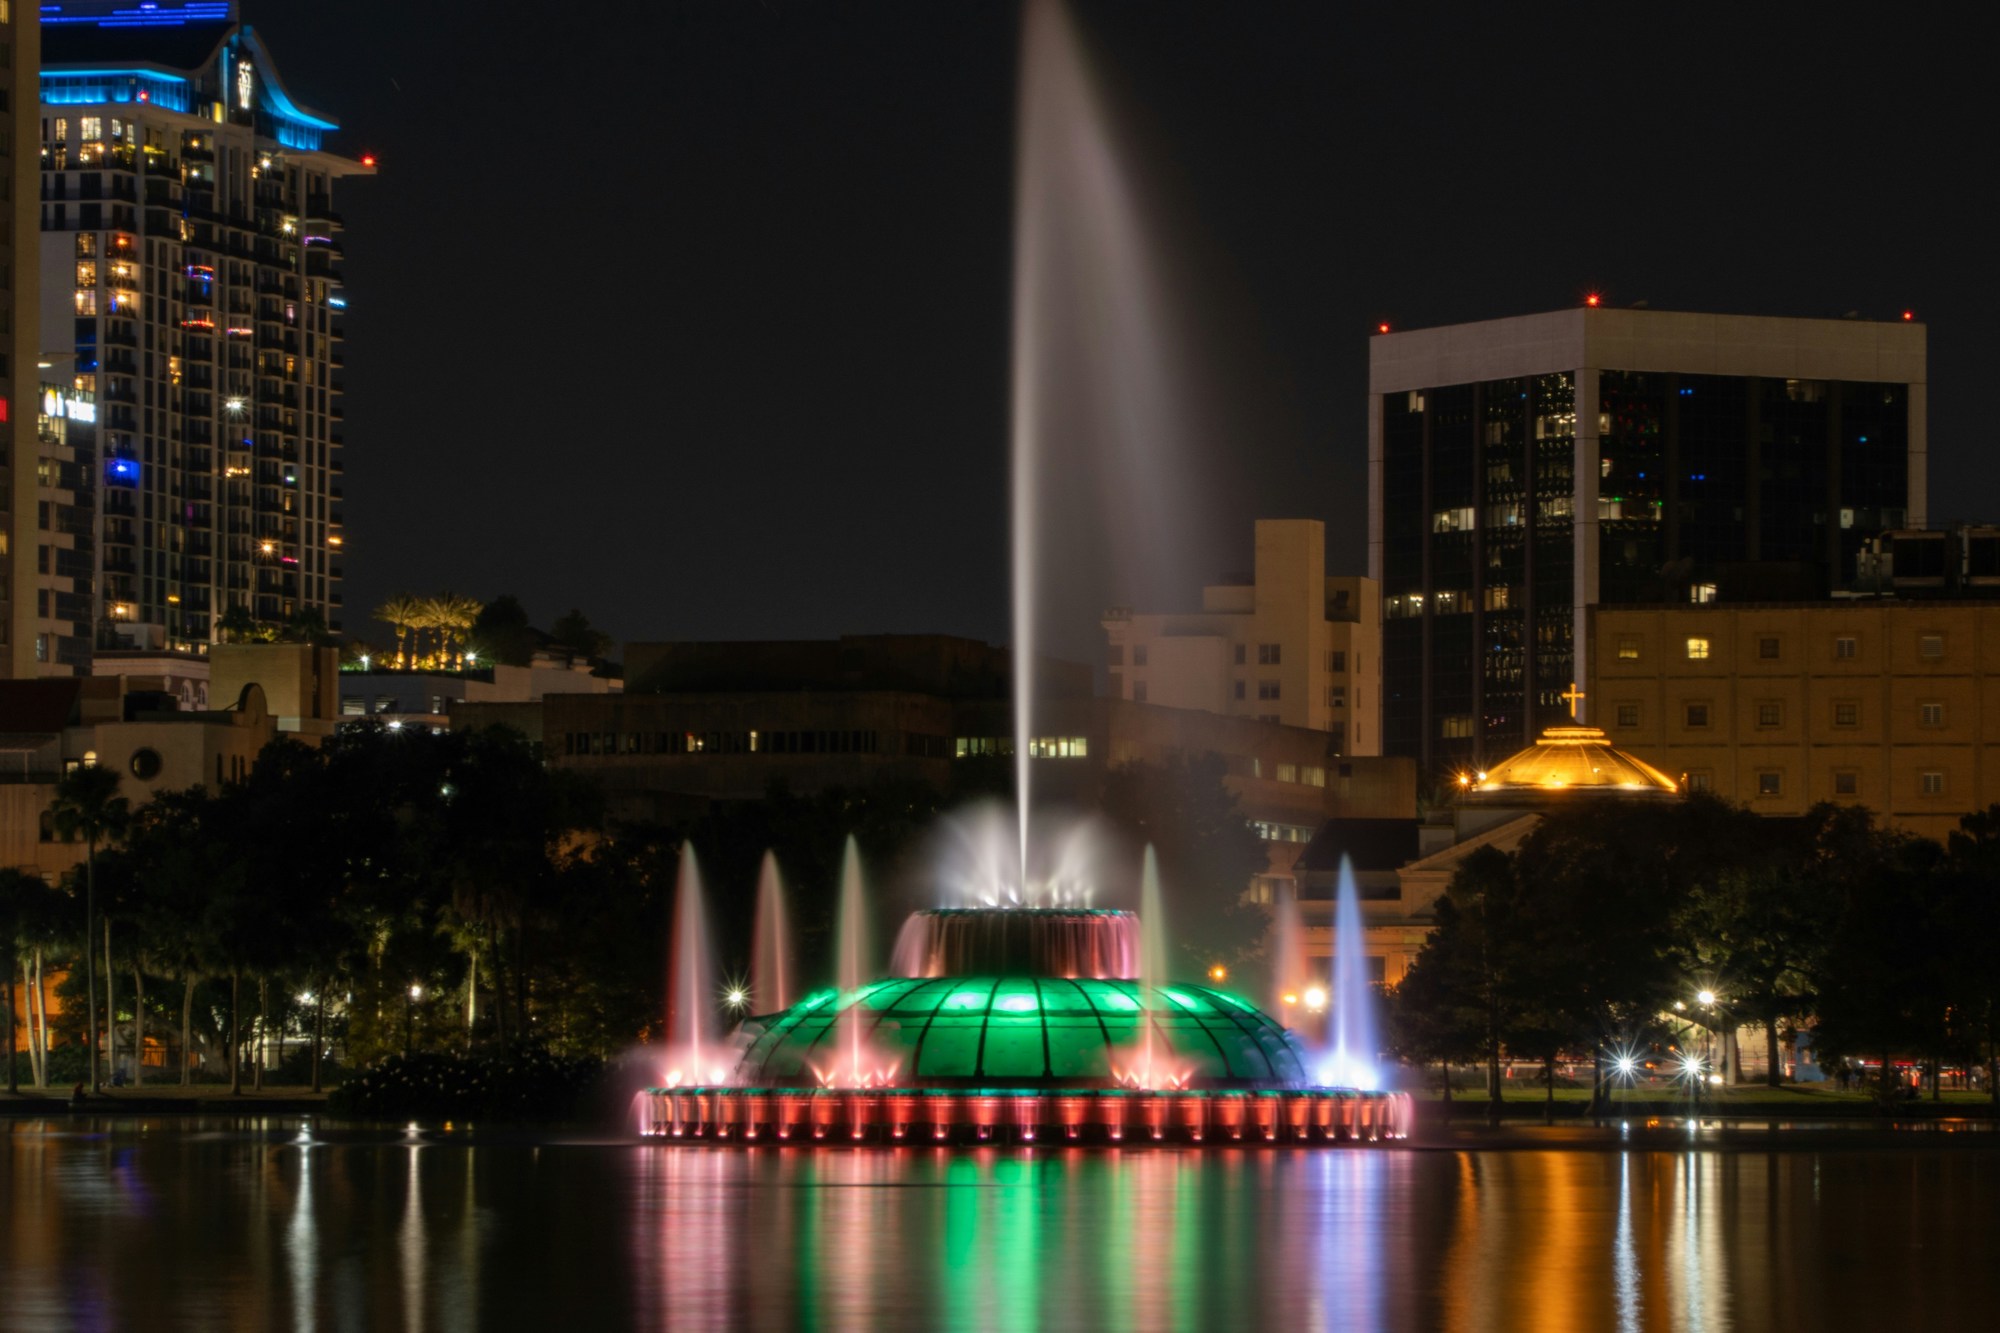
1564,761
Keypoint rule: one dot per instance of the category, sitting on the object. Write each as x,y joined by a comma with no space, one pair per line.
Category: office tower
19,341
1523,470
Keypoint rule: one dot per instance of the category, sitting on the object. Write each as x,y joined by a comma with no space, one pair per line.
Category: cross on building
1572,696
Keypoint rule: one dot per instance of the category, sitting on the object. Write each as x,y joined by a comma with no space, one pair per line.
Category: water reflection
246,1225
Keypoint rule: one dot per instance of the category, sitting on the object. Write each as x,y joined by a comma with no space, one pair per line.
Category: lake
288,1224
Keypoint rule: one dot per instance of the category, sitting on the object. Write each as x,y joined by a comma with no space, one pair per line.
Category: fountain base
1024,1115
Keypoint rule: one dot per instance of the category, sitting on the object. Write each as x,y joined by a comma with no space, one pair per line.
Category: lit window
1701,593
1455,727
1930,646
1499,597
1628,647
1932,782
1697,650
1313,775
1844,646
1846,713
1931,714
1700,779
1288,772
1452,520
1770,783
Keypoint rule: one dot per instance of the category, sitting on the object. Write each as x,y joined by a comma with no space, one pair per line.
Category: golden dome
1567,759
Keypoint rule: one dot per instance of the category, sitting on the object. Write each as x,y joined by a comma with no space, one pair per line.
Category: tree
575,632
1971,920
454,616
403,613
20,898
236,624
501,632
87,805
32,919
305,625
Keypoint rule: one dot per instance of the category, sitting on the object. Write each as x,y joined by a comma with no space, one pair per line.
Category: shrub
525,1083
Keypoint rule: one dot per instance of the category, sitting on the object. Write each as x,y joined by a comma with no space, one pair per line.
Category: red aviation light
1593,300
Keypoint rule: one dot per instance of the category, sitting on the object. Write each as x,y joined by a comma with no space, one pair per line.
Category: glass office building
1523,469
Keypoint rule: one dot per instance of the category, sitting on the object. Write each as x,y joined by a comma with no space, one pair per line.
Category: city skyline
826,319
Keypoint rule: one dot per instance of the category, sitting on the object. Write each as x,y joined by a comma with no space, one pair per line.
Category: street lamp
409,1013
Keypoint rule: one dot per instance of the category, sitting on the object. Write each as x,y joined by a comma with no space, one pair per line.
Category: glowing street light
736,998
1315,998
1218,973
1706,997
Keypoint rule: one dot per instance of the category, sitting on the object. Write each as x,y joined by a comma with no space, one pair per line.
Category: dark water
257,1225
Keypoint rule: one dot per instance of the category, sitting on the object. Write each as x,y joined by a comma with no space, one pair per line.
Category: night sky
695,315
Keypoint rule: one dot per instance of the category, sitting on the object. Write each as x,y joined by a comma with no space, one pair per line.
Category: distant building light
1592,300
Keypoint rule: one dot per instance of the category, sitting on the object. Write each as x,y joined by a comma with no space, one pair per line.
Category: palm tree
17,888
236,625
454,617
87,805
404,612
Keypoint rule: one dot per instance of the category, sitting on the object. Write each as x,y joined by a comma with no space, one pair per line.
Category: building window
1697,650
145,764
1930,646
1336,696
1700,779
353,705
1767,650
1312,775
1697,716
1930,714
1058,747
1456,727
1336,660
1932,781
1115,655
1452,520
1628,715
1846,713
1628,647
1138,654
1498,597
1770,783
1770,714
1240,654
1138,691
1288,772
1267,689
1843,646
1846,782
1701,593
1240,689
1267,654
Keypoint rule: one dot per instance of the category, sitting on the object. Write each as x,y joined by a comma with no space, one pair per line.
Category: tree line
395,891
1603,931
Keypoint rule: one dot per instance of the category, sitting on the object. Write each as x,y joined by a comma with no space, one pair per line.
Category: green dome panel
1027,1031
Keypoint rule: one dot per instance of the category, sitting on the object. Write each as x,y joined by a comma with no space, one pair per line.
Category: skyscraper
191,263
1522,470
19,339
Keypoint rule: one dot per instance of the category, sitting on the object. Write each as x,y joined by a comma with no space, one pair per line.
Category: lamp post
416,993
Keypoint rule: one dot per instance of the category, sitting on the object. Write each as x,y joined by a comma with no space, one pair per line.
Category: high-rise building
1285,643
1523,470
191,262
20,341
64,624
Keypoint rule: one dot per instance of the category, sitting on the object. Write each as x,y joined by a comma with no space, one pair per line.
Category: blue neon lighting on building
90,87
122,470
152,15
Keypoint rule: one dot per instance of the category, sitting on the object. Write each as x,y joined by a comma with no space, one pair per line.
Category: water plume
851,950
771,943
1353,1054
690,1017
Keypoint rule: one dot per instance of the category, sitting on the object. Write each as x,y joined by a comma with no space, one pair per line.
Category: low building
1285,644
1892,703
429,698
707,722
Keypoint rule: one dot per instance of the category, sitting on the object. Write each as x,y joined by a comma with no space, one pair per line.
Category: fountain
1353,1058
1018,1009
690,1018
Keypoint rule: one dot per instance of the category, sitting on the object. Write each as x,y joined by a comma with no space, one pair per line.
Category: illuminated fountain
1023,1024
1027,1011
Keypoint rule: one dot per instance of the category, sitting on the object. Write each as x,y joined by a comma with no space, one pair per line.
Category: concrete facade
1292,645
1891,704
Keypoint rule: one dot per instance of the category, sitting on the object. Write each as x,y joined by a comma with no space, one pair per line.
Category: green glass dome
1026,1031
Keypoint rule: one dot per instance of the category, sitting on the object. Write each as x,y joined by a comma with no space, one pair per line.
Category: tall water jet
1152,956
851,951
1290,971
690,979
1097,386
771,943
1354,1051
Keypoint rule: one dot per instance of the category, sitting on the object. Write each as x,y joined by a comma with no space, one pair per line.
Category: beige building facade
1290,645
1889,704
